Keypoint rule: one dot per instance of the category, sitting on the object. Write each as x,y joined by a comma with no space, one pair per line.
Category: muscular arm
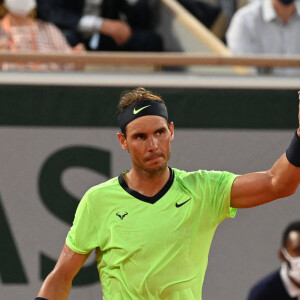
258,188
58,283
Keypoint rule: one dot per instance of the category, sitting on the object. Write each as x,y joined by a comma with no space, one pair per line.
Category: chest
132,223
281,37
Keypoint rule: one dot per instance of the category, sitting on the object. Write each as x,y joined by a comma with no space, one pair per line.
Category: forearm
258,188
280,181
55,287
285,177
58,283
286,171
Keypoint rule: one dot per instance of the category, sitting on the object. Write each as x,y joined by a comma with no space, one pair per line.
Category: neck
147,184
16,20
284,12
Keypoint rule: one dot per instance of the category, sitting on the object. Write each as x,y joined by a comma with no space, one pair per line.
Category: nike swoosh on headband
136,111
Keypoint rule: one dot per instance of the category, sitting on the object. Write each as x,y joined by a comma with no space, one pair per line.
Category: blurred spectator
108,25
229,7
283,284
267,27
205,12
19,31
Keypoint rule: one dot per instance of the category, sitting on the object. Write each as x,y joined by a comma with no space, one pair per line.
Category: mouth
155,157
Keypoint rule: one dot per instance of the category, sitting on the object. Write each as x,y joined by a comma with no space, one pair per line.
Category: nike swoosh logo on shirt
180,204
136,111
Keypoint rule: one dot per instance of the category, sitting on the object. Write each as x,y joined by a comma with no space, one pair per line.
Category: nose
152,143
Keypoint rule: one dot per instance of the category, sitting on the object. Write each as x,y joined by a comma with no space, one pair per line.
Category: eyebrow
138,134
160,129
144,134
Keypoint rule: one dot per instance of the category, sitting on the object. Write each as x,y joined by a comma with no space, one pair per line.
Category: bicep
258,188
251,190
69,262
58,283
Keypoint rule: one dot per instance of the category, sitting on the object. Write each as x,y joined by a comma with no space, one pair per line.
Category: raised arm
58,283
280,181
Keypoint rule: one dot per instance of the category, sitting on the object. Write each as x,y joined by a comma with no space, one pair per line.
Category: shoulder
100,192
44,24
269,286
269,279
199,173
181,175
249,12
251,9
47,26
103,187
202,176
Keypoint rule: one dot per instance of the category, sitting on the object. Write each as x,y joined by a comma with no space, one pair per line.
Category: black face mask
286,2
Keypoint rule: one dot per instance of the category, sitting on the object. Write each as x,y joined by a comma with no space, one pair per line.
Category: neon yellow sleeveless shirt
151,248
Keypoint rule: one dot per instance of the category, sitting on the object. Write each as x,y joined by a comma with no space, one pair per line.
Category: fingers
79,48
119,31
123,34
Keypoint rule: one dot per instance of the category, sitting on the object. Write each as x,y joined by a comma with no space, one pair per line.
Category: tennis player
153,225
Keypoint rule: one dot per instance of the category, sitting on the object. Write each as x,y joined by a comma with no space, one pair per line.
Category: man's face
291,256
293,244
283,4
148,140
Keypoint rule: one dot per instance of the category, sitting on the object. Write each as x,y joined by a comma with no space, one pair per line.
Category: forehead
146,124
293,241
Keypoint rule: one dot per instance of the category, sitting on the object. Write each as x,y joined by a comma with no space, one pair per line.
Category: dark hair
135,95
294,226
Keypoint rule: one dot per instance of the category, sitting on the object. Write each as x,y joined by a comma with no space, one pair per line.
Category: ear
171,127
122,140
281,256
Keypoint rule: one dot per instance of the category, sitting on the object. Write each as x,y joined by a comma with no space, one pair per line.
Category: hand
119,31
79,48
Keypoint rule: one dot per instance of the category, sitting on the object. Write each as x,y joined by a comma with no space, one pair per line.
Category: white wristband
90,24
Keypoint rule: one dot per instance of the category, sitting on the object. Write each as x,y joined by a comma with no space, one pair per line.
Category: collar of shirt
269,13
290,287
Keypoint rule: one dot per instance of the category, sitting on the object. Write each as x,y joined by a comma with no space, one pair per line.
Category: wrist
106,26
90,24
293,151
98,23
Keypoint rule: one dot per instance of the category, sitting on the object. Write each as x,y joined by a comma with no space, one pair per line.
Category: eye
161,131
140,136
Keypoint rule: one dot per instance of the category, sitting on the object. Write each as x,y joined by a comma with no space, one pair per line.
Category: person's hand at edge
118,30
